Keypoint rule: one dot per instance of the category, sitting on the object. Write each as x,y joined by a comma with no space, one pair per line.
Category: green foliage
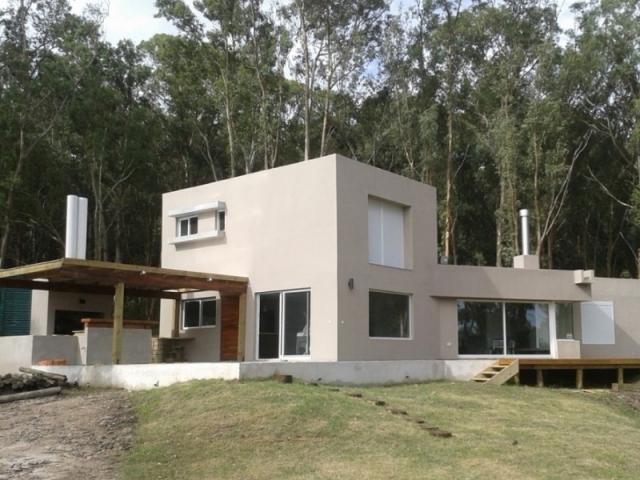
484,100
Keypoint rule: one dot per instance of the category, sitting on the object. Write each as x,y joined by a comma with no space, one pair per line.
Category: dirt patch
73,435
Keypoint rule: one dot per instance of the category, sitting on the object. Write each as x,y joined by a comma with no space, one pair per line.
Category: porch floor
579,365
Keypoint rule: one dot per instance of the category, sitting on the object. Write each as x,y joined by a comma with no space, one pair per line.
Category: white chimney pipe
76,232
81,237
71,244
524,219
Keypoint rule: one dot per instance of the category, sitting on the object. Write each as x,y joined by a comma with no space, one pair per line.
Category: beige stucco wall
280,232
449,283
44,305
356,182
205,345
306,226
625,294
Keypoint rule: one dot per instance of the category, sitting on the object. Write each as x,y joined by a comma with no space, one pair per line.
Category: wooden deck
579,365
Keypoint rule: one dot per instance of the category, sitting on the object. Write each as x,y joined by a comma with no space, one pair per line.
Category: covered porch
89,277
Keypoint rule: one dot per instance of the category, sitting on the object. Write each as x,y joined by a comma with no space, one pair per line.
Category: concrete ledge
144,377
141,377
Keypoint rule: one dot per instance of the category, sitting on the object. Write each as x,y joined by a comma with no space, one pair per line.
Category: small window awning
90,276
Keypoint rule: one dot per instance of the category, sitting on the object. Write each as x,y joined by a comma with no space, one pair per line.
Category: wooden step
498,372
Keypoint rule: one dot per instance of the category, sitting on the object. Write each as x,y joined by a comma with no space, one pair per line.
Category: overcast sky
134,19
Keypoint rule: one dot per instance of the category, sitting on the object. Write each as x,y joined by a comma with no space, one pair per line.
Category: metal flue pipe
524,220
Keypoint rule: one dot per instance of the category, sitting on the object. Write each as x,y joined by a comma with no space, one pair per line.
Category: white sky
134,19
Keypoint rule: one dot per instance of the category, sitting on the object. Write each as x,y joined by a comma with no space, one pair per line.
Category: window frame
188,220
281,325
381,216
409,298
200,301
551,310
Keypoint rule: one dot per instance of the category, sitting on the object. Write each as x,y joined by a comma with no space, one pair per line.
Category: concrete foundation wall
136,346
142,377
27,350
56,347
15,353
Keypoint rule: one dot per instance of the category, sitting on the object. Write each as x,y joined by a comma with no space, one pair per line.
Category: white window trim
404,339
193,211
199,300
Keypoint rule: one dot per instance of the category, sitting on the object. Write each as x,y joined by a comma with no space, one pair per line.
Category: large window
389,315
498,328
283,324
386,233
199,313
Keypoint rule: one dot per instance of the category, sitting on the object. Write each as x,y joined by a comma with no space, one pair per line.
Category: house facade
342,264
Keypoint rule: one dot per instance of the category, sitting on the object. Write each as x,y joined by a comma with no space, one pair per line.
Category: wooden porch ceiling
90,276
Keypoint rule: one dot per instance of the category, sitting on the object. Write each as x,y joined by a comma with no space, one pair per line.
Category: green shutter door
15,311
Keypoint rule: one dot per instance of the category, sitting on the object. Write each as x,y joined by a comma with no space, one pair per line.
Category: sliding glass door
501,328
283,324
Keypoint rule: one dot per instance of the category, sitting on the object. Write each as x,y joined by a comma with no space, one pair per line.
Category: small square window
389,315
187,226
199,313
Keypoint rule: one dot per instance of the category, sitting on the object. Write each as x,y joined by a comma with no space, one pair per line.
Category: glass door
268,325
295,324
283,324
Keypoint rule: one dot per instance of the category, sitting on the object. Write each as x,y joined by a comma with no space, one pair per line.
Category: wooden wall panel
230,315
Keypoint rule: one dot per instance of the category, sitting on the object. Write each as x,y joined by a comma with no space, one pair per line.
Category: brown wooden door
230,326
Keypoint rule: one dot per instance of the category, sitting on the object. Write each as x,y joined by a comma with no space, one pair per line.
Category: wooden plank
579,378
36,268
579,362
242,326
230,316
118,308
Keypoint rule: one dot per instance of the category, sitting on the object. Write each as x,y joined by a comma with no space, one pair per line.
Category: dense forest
489,101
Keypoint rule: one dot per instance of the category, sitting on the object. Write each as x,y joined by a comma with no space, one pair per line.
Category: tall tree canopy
489,101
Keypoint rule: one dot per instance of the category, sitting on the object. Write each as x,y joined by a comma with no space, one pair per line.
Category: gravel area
78,434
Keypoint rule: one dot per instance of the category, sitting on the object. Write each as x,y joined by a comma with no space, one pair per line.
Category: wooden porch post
242,325
118,307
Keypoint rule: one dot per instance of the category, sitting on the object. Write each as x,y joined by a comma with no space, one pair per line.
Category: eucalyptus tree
334,43
45,52
240,63
112,136
514,36
605,55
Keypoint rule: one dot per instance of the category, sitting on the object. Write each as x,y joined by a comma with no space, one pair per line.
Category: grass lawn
270,430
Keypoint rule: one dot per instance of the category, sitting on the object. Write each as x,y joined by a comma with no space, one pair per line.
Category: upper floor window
386,233
199,222
187,226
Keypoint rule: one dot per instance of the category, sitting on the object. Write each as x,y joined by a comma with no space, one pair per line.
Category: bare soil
78,434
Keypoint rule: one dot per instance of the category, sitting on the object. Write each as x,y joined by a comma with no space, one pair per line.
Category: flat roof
91,276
